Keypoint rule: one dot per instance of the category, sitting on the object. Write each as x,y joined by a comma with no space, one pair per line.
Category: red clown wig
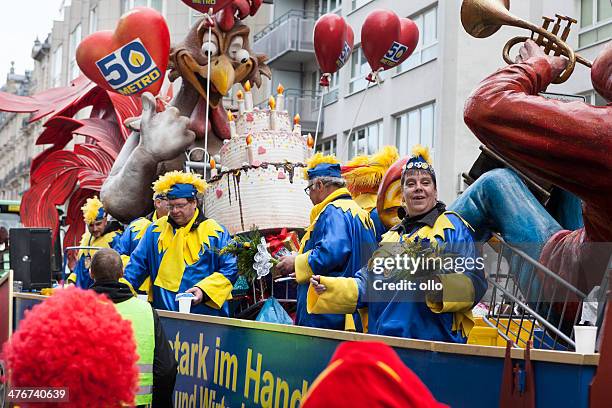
75,339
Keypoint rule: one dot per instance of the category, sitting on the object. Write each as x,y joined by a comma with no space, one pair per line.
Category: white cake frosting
262,184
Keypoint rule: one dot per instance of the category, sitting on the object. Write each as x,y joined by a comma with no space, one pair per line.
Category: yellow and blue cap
178,184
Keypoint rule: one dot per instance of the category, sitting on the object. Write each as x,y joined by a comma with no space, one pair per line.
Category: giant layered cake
259,181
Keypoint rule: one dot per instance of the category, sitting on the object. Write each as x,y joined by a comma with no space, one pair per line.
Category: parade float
517,356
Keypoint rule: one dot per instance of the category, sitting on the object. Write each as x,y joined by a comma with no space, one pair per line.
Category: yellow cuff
457,294
218,288
363,313
123,280
71,277
145,285
124,260
340,297
303,272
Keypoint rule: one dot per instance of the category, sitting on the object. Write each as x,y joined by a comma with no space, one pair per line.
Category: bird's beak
222,74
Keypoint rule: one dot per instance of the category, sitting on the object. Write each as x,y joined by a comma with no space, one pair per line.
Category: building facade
422,100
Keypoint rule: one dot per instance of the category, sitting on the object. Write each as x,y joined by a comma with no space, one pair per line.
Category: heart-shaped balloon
132,59
388,40
333,42
204,6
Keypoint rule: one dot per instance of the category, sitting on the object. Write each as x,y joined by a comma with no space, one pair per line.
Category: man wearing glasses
179,252
339,241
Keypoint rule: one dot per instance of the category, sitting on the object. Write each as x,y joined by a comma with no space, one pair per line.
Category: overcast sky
20,22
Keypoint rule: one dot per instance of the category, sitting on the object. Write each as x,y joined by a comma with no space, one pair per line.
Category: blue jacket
338,243
175,266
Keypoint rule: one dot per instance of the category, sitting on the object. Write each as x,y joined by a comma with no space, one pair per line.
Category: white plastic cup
184,301
585,339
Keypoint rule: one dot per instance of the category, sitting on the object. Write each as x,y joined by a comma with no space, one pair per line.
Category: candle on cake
297,128
232,124
272,105
280,98
310,141
213,168
240,97
248,97
250,153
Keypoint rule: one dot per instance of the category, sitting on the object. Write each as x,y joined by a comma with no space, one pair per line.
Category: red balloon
333,42
388,40
132,59
215,5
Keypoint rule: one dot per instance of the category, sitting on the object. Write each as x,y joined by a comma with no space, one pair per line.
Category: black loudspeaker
30,255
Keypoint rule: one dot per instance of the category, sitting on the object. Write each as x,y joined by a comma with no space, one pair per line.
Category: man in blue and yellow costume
135,231
338,242
363,175
100,234
180,252
440,315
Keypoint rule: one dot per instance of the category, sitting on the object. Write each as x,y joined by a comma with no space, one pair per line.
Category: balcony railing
288,39
303,102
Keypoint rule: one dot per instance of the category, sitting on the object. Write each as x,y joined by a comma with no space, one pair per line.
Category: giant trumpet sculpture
483,18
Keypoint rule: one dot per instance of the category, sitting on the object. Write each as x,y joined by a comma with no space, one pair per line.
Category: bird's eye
209,49
243,56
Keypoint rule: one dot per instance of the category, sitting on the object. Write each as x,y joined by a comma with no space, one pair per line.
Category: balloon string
348,139
206,125
318,122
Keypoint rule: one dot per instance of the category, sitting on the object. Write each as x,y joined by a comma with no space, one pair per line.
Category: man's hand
315,281
166,134
198,293
286,265
530,50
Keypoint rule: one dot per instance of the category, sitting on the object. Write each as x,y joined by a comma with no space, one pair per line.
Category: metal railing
290,32
531,302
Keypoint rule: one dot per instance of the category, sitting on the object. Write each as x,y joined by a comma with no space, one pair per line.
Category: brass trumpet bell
483,18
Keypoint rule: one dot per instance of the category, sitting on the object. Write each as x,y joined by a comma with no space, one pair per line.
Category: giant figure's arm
564,143
163,136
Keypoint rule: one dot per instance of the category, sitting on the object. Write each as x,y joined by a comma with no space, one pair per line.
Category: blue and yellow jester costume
93,211
131,237
179,258
447,319
363,175
338,242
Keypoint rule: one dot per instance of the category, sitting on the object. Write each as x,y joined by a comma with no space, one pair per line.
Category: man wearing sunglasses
339,241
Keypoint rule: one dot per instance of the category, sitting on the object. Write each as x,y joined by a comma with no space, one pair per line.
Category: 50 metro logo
129,69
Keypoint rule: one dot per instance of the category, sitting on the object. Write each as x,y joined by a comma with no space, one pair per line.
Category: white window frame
357,4
593,98
93,19
325,6
403,139
328,146
353,146
430,48
596,25
130,4
358,83
58,58
75,39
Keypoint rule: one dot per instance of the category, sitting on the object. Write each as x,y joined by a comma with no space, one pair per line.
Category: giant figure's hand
166,134
530,49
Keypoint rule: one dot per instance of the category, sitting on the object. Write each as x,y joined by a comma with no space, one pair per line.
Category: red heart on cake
388,40
204,6
261,150
281,175
132,59
219,192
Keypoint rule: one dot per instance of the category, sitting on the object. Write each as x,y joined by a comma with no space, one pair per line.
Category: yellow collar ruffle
180,248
